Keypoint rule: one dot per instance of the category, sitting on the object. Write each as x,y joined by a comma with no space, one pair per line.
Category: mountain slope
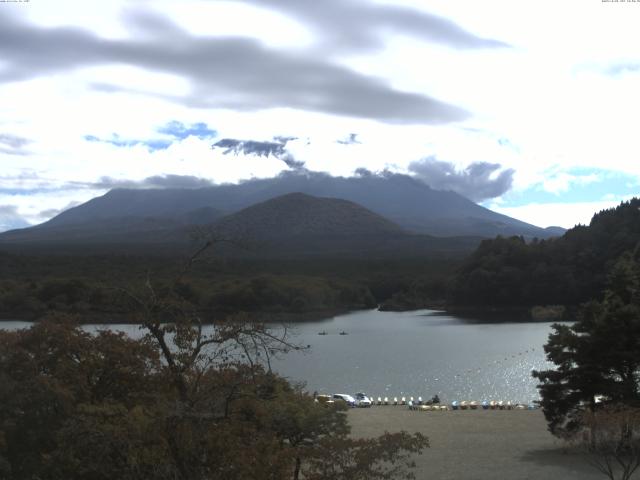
400,198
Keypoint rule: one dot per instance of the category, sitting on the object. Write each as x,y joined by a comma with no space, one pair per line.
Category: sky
531,109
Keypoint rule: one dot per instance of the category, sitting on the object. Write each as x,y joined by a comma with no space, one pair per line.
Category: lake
417,353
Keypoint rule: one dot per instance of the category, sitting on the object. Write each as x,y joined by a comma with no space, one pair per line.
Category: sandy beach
478,444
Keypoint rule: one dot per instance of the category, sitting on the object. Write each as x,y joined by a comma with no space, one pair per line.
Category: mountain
291,225
400,198
123,230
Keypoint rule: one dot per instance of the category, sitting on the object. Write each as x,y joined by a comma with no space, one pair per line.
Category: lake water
418,353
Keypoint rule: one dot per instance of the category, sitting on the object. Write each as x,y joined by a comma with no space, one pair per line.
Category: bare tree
611,440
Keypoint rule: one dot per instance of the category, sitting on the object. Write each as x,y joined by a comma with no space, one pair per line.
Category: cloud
13,144
224,72
562,214
477,182
118,141
155,181
10,218
356,25
622,68
176,130
52,212
350,140
277,148
561,182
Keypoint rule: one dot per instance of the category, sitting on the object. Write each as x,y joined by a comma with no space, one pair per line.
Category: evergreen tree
598,356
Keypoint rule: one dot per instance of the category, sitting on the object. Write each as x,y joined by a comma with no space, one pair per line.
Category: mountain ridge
400,198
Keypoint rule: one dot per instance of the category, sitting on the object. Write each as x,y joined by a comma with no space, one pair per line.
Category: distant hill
298,214
567,270
400,198
297,224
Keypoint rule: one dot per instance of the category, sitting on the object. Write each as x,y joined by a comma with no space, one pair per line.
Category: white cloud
558,214
543,108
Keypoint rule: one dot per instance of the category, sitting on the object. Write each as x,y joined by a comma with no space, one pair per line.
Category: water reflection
419,353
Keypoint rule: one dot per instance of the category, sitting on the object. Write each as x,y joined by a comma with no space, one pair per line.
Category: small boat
473,405
464,405
485,405
455,405
493,404
322,333
343,333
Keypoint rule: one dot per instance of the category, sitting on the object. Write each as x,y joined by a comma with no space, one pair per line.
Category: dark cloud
476,182
13,144
156,181
363,172
10,218
235,73
52,212
350,140
277,148
251,147
357,25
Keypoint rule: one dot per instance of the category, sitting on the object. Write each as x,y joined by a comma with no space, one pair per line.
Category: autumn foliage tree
187,401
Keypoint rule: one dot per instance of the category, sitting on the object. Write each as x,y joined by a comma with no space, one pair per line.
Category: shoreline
104,318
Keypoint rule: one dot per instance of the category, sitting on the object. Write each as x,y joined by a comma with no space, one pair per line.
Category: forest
295,290
568,270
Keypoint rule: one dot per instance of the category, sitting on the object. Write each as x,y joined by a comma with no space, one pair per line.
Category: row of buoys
402,401
498,362
430,408
490,405
455,405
